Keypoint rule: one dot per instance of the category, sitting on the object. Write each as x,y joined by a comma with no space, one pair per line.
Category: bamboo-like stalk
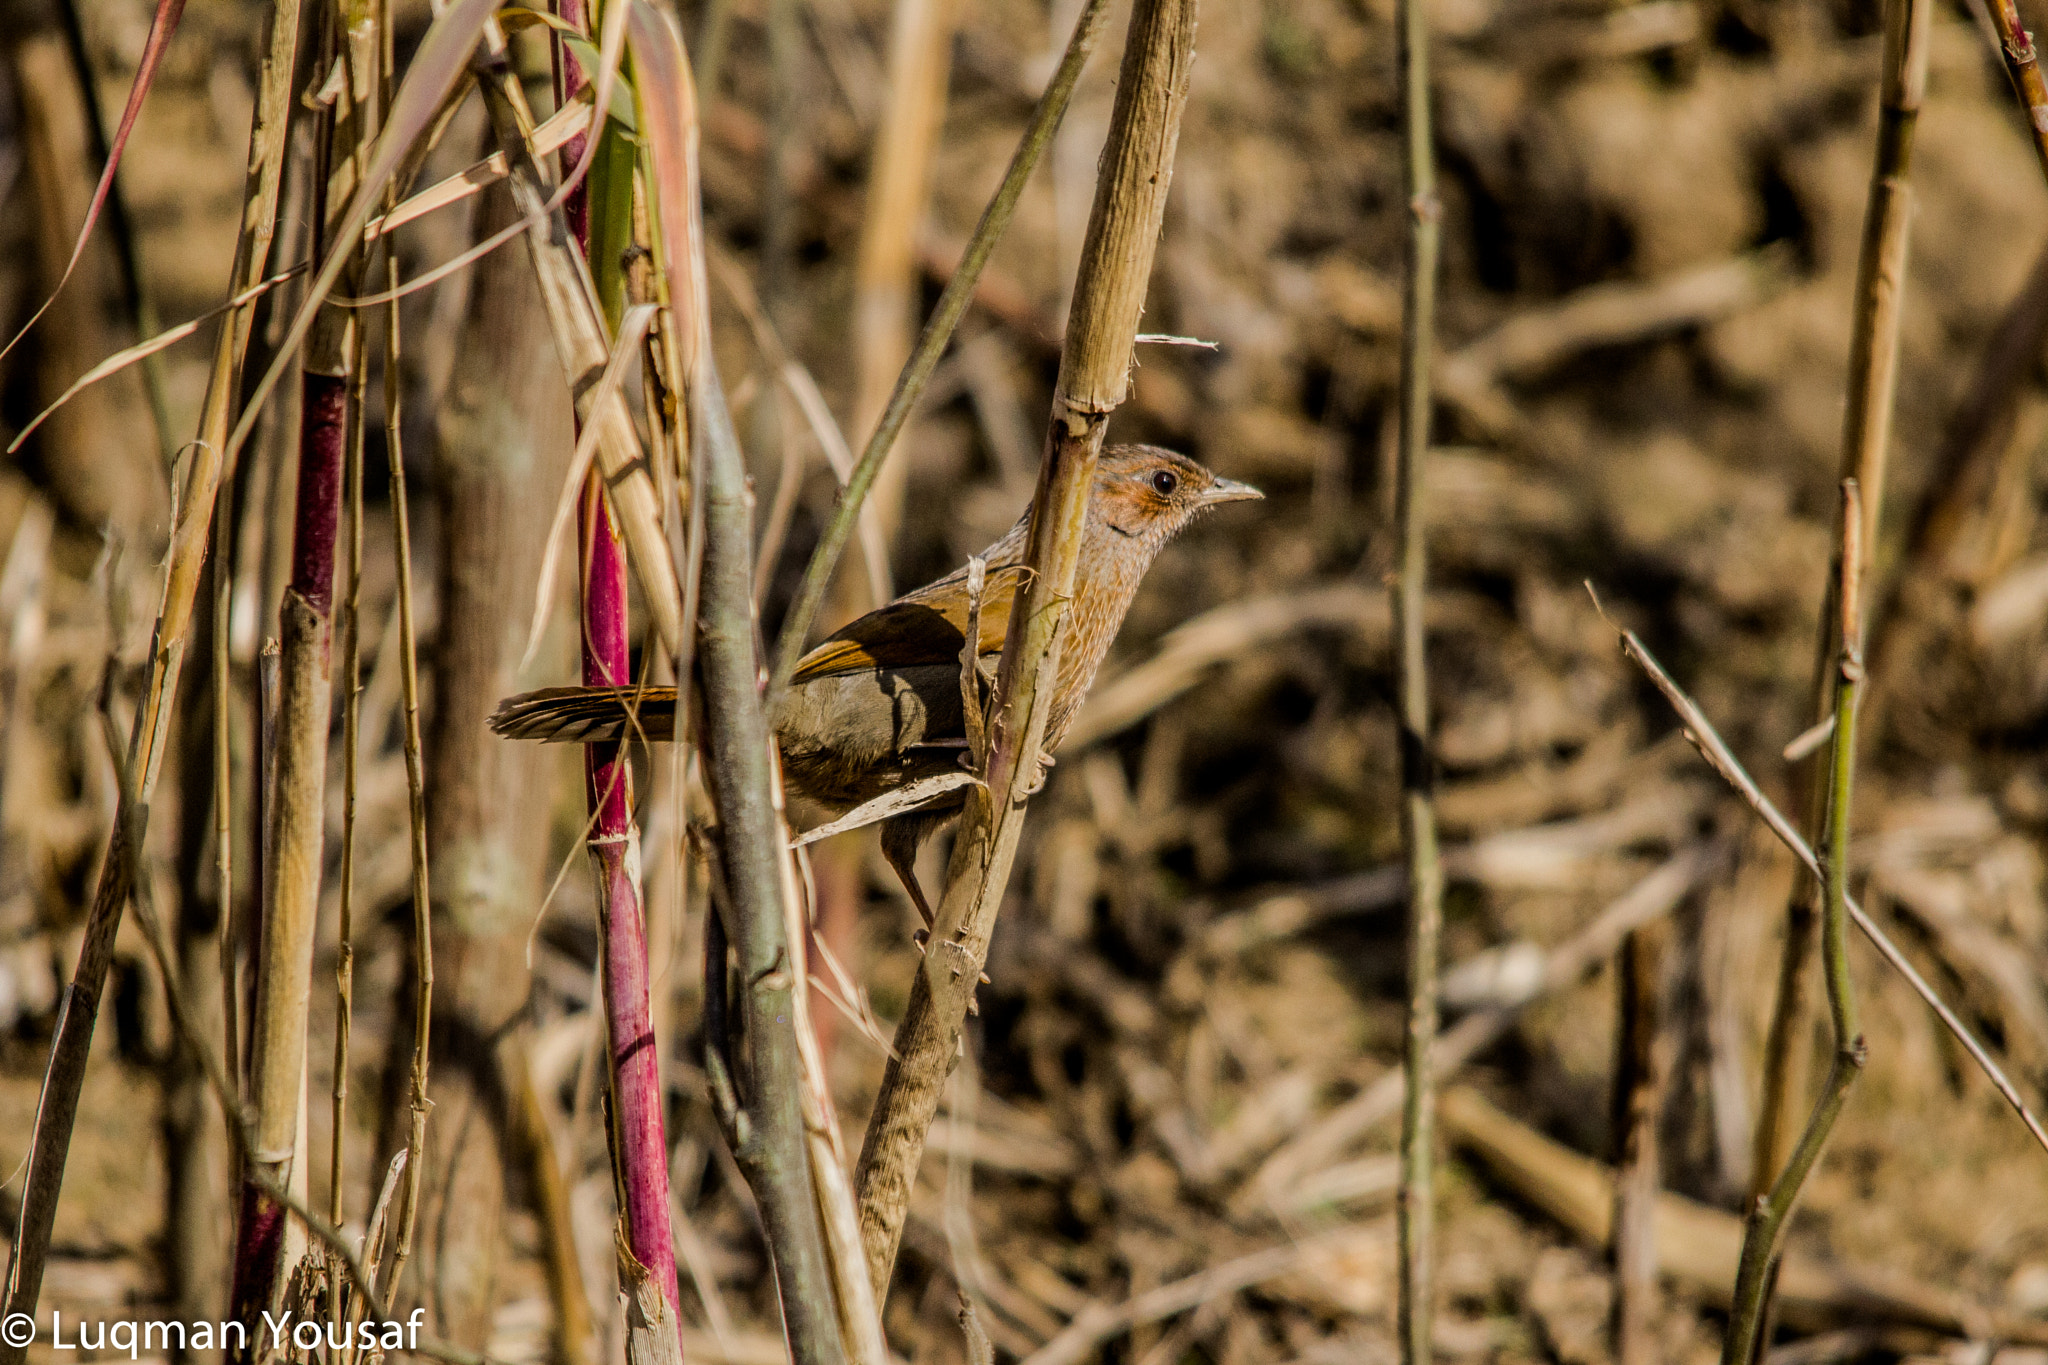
57,1110
1767,1217
1866,430
931,344
1109,295
361,1277
1415,1206
639,1146
295,822
773,1139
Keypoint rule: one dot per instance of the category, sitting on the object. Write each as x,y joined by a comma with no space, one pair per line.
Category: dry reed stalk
577,322
564,1272
106,153
197,1207
860,1318
885,275
351,743
416,802
1866,430
57,1110
1638,1104
639,1147
1109,295
361,1275
1753,1282
1415,1205
368,74
761,1108
931,344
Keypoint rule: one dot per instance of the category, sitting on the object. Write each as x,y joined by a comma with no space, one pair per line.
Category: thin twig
416,802
1767,1217
351,718
1707,740
1415,1206
931,343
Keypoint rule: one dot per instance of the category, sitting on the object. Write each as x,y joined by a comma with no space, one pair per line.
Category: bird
878,706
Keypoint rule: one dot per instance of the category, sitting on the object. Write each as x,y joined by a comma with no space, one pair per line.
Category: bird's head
1149,494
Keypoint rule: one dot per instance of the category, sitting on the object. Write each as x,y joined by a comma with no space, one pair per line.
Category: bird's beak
1230,490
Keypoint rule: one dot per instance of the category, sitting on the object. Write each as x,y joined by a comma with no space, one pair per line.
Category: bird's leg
900,839
1038,779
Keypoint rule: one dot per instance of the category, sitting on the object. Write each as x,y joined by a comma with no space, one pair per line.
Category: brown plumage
878,704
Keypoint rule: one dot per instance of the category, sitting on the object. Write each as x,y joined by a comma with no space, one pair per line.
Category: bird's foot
1038,779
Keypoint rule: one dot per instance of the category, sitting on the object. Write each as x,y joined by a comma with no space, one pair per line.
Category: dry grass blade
142,350
909,797
625,351
436,67
566,124
161,27
582,341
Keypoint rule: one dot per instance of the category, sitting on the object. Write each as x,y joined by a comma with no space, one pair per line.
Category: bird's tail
587,715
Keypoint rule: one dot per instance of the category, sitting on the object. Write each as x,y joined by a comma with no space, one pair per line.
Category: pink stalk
569,79
640,1145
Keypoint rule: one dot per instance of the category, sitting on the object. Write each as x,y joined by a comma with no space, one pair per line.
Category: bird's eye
1164,482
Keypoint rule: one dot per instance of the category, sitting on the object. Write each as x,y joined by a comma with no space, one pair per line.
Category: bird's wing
920,628
584,715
